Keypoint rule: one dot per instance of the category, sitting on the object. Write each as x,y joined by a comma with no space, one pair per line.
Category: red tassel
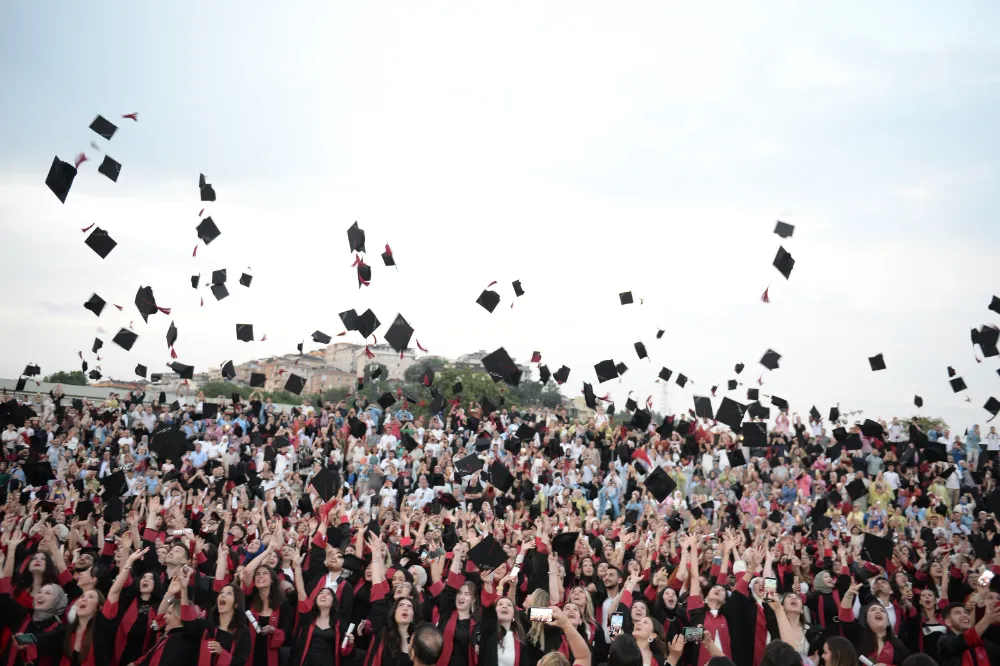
201,212
202,302
80,159
341,333
99,359
536,357
400,356
163,310
388,250
491,284
195,253
357,260
605,397
764,297
86,229
264,338
420,346
132,116
117,306
368,352
760,380
281,372
173,354
649,402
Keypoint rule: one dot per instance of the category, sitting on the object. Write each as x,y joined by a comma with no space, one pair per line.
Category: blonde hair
555,658
536,633
587,612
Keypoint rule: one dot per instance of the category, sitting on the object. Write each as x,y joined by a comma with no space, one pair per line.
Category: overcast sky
583,148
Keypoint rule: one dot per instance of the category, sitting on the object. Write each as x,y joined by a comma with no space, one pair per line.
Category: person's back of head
780,653
919,659
842,652
720,661
426,645
624,652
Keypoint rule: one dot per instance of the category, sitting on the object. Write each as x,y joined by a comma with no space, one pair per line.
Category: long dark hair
88,636
239,609
26,579
275,596
867,641
391,638
310,617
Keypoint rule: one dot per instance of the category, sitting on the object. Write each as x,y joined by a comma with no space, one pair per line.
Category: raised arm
116,588
577,643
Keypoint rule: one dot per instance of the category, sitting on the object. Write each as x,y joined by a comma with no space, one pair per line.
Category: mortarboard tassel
202,302
117,306
201,212
99,359
80,159
764,297
604,397
263,338
195,253
341,333
400,356
714,389
978,360
649,402
173,354
368,352
86,229
132,116
420,346
491,284
357,261
760,380
281,372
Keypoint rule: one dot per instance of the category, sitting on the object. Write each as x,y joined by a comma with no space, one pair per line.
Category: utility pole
664,399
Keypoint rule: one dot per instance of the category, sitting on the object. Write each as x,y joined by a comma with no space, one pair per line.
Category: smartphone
693,634
717,561
514,571
540,614
618,545
985,578
770,588
616,624
24,639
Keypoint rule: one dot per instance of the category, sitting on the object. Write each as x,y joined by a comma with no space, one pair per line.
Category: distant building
351,358
578,405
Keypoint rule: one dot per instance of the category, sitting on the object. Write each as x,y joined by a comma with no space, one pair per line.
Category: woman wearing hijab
48,605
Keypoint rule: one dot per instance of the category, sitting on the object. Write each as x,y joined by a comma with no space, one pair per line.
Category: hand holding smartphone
694,634
770,589
540,614
616,624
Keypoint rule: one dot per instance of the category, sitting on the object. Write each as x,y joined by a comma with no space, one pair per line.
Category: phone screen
514,571
770,588
617,621
693,634
985,578
540,614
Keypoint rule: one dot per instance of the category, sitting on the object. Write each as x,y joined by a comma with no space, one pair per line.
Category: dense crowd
232,532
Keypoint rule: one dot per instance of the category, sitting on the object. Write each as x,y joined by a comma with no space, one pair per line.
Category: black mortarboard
257,380
665,374
377,372
354,563
784,262
876,549
630,405
731,413
448,500
100,242
982,547
84,508
834,452
758,411
171,335
605,371
500,363
621,368
295,384
408,442
364,274
356,238
219,276
780,403
814,413
110,168
207,231
659,484
367,323
641,418
246,279
349,319
398,335
209,410
754,434
501,477
31,370
183,371
324,483
386,400
853,442
738,368
736,457
561,375
114,485
564,543
625,297
987,338
387,257
857,489
60,178
321,337
488,554
703,407
834,414
588,396
98,343
207,191
544,374
282,507
95,304
358,428
456,388
94,374
194,281
125,339
876,362
469,464
104,127
219,291
37,473
753,394
244,332
784,229
140,370
821,523
774,516
489,299
518,291
957,384
992,406
995,305
770,359
437,404
871,429
145,302
681,380
918,401
488,406
731,385
640,349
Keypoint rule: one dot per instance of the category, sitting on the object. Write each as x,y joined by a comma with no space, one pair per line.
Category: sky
582,148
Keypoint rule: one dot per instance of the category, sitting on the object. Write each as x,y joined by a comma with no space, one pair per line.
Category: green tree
415,372
476,385
369,370
75,377
928,423
213,390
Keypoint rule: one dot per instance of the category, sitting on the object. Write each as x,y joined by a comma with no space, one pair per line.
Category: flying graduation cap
640,349
770,359
501,364
605,371
876,362
784,229
518,291
784,262
95,304
356,238
246,279
561,375
489,299
244,332
207,192
110,168
321,337
625,297
104,127
60,178
219,276
208,231
171,335
387,257
295,384
399,334
100,242
125,339
703,407
229,372
367,323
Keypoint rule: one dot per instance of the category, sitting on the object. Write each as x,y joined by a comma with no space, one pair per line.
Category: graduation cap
367,323
784,262
770,359
814,413
625,297
84,508
500,363
31,371
60,178
257,380
753,394
992,406
37,473
918,401
364,274
780,403
194,281
703,407
872,429
104,127
731,413
145,302
876,362
987,338
110,168
731,385
641,419
834,414
518,291
564,543
681,380
125,339
207,231
398,335
456,388
630,405
244,332
588,396
325,483
489,299
349,318
488,406
246,279
957,384
183,371
114,485
774,516
448,501
98,343
784,229
544,374
853,442
354,563
358,428
21,383
94,374
857,489
207,191
621,369
501,477
409,443
377,372
640,349
605,371
736,457
659,484
754,435
321,337
488,554
356,238
876,549
140,370
219,276
665,374
100,242
834,452
738,368
209,410
295,384
469,464
561,375
758,411
219,291
386,400
282,507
